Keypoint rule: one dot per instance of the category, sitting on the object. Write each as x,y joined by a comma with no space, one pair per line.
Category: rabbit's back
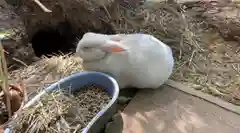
152,61
147,64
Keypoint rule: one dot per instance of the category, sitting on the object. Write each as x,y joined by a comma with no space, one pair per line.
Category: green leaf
5,34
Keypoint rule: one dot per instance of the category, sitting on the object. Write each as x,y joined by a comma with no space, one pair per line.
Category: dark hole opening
61,40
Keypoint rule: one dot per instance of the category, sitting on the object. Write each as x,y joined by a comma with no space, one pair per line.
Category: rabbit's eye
86,48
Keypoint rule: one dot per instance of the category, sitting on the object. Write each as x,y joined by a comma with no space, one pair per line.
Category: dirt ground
216,68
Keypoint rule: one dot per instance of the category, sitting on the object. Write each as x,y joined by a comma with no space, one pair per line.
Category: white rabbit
134,60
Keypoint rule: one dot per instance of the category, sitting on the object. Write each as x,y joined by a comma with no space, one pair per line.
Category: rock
123,99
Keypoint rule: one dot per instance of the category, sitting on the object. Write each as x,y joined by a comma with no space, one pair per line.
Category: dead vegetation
47,71
4,81
61,112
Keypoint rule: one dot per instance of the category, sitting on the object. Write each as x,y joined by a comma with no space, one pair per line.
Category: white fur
147,62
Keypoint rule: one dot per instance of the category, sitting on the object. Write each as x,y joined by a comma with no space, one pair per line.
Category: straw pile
47,71
61,112
215,68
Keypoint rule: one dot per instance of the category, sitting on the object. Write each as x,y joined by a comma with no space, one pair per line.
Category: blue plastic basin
76,81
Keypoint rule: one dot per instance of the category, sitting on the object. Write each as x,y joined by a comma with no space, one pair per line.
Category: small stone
123,100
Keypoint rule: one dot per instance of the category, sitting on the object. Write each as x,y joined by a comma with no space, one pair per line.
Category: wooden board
168,110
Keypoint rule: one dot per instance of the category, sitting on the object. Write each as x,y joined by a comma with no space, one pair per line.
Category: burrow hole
61,39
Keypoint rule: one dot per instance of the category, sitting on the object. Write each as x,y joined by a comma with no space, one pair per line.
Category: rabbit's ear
113,46
113,49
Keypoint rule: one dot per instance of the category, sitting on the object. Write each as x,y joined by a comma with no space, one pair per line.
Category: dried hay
215,69
61,112
47,71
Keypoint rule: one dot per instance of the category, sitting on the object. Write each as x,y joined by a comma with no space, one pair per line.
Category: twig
106,10
191,58
77,128
4,74
17,60
21,62
1,93
235,68
42,6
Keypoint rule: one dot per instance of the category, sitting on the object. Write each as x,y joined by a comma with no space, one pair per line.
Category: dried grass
47,71
213,66
168,23
61,112
4,86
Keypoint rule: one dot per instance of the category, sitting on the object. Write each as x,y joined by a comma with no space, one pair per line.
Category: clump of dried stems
4,79
61,112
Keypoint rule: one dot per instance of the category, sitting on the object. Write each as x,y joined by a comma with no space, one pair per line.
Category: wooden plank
168,110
